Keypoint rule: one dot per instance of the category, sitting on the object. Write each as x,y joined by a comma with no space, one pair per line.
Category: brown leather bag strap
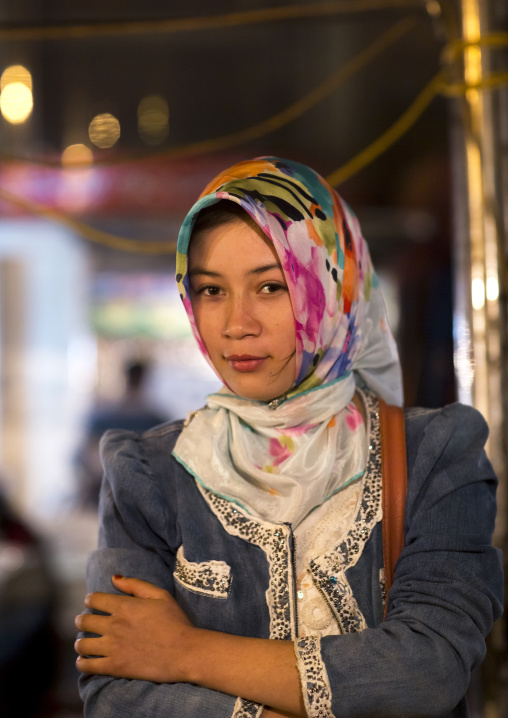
394,472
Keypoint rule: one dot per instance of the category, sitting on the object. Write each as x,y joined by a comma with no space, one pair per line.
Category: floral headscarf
342,341
327,266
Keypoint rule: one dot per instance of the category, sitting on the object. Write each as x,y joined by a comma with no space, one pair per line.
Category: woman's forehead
232,243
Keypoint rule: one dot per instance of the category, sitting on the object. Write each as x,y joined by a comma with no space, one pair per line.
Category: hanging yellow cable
436,86
490,82
388,138
276,122
454,49
93,235
400,127
304,104
209,22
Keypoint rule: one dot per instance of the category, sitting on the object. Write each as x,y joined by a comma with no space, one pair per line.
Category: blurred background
114,116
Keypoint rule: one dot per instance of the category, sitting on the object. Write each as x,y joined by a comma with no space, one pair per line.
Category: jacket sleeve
137,538
446,594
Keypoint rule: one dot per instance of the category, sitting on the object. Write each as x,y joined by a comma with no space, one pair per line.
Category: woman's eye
272,288
206,291
210,291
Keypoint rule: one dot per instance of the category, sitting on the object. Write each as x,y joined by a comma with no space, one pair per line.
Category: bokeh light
433,7
478,293
153,119
16,103
492,289
16,99
77,155
15,73
104,130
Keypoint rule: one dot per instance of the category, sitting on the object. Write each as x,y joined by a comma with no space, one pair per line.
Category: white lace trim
247,709
274,539
327,524
315,616
323,528
209,578
316,690
329,569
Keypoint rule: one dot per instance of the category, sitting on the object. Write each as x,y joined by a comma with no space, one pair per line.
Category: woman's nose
241,319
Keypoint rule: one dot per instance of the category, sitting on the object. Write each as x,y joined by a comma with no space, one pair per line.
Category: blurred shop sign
157,186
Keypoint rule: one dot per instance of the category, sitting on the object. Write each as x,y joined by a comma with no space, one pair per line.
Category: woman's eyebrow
201,270
257,270
265,268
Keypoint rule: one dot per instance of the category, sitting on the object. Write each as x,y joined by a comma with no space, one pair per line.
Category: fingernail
118,575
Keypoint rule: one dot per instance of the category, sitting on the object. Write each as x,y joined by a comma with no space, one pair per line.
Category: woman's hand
146,636
143,636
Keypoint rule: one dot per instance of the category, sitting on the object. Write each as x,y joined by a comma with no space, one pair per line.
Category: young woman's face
242,309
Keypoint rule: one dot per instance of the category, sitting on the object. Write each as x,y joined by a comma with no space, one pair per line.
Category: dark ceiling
220,80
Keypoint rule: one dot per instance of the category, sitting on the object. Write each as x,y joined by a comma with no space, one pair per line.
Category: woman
261,514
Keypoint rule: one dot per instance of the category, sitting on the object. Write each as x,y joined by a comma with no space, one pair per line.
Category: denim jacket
233,573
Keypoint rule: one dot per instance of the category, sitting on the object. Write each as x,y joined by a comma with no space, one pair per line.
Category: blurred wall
47,360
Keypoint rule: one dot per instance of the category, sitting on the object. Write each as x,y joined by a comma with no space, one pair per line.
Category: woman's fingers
137,587
105,602
91,623
141,635
92,665
98,665
91,646
108,602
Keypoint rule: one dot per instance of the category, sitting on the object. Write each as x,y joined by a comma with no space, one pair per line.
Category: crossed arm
446,594
145,635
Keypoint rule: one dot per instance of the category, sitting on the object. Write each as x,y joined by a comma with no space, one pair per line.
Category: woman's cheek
199,325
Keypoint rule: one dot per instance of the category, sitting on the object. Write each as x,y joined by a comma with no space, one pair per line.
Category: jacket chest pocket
207,578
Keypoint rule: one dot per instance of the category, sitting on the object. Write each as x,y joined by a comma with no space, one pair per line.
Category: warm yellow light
433,8
15,73
16,102
104,130
492,289
478,293
153,119
77,155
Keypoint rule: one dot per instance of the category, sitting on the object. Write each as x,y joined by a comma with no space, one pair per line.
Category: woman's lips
244,362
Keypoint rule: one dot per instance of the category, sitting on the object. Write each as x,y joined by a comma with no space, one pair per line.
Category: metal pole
481,350
480,297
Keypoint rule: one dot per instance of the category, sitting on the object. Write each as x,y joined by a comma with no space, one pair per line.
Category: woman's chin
248,390
260,383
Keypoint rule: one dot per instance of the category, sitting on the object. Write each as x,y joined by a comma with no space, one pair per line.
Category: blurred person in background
133,412
240,563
